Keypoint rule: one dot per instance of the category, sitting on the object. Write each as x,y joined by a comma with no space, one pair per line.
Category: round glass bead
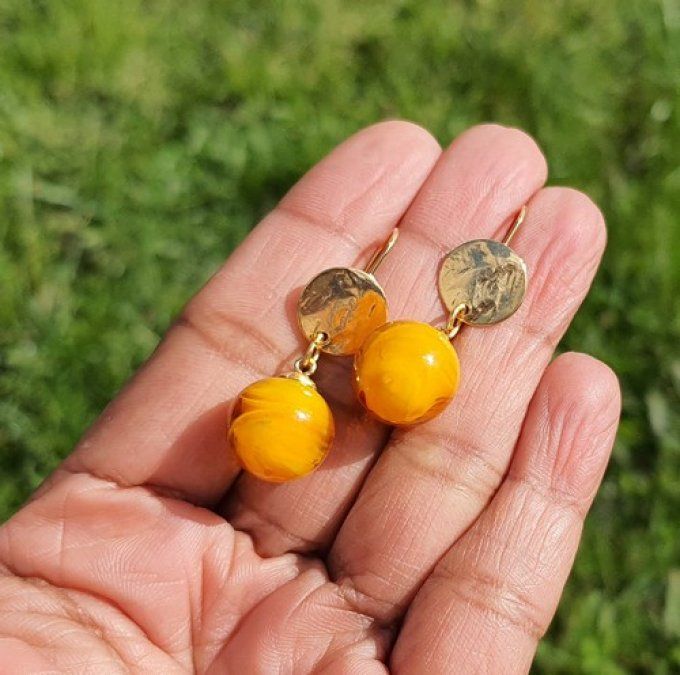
281,429
406,372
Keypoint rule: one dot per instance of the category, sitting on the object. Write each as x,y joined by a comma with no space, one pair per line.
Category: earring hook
515,225
382,252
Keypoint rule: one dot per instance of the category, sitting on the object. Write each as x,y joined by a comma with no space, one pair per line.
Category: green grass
140,140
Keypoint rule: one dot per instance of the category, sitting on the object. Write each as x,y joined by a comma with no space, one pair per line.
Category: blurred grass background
141,139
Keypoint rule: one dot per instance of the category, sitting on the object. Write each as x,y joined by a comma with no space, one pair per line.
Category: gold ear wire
382,252
515,225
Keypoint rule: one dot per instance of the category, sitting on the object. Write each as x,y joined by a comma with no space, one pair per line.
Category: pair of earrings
405,372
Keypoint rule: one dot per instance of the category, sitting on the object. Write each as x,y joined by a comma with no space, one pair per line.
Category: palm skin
440,549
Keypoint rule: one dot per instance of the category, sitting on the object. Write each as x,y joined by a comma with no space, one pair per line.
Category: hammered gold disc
487,276
346,304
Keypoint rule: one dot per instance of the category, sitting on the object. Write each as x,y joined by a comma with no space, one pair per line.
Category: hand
438,549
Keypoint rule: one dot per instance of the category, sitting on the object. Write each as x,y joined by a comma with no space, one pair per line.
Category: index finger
167,427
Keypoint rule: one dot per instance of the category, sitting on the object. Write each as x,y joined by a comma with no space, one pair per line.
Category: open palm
442,548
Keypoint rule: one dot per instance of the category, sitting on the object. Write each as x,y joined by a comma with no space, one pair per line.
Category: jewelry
407,372
281,427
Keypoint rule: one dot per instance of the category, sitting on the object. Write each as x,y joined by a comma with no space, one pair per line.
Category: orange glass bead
281,428
406,372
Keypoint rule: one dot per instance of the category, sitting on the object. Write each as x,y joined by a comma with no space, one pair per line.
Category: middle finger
433,480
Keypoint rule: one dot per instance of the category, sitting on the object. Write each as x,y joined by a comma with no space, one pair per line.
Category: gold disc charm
487,276
344,303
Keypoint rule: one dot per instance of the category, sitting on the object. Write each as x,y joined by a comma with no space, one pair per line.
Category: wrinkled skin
437,549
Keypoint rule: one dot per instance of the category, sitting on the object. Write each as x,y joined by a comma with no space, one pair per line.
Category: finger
433,480
498,587
167,428
481,180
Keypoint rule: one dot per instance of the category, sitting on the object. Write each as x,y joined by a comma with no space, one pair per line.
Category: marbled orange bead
281,429
406,372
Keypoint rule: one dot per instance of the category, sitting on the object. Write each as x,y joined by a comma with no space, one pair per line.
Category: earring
281,427
407,371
